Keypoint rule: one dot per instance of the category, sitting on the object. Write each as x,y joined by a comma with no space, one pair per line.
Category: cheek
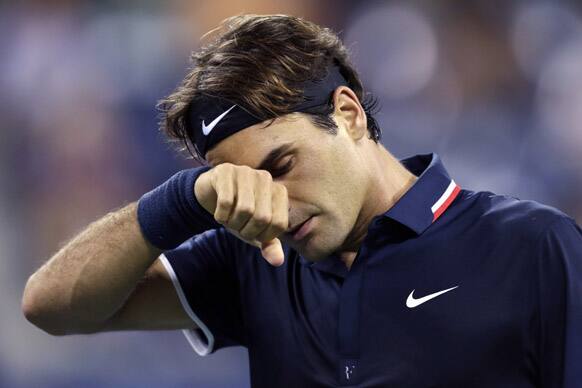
348,194
330,182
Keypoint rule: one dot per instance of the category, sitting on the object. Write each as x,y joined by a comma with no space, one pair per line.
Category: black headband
212,119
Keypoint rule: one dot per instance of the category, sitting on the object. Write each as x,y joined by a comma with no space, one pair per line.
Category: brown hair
259,63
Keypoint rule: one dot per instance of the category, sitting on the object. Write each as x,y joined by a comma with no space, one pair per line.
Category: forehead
250,145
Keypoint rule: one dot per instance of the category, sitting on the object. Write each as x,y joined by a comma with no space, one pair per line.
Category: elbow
34,316
38,312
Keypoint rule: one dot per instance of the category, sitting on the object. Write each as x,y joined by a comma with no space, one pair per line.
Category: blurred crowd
494,87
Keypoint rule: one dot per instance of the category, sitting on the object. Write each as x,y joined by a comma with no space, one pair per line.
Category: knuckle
262,219
224,203
277,228
265,175
243,173
220,218
280,226
280,189
222,172
244,169
222,168
246,210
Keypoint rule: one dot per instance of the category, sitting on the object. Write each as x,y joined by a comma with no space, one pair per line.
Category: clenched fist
249,204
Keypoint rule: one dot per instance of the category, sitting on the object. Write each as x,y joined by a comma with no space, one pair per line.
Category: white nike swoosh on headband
206,129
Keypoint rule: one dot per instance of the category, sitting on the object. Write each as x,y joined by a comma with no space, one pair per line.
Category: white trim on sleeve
200,346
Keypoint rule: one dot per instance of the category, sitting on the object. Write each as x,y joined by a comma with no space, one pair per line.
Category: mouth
301,230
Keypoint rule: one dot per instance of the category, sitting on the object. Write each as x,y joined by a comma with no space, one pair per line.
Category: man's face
322,173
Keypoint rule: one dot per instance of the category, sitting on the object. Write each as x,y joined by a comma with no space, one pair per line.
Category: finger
280,214
272,251
244,201
262,215
224,187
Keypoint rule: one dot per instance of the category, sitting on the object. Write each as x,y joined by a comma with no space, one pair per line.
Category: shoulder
522,219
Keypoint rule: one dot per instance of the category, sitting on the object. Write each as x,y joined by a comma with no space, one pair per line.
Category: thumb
272,251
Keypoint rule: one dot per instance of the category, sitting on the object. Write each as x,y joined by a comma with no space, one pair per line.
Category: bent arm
106,278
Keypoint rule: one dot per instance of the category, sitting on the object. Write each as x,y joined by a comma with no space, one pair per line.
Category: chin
320,242
313,257
313,250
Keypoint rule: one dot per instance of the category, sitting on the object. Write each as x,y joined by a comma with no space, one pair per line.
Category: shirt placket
349,323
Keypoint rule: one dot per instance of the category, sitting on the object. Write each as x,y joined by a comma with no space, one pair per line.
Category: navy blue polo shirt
450,288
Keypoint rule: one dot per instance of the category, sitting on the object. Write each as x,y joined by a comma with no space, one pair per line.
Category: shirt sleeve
204,274
560,297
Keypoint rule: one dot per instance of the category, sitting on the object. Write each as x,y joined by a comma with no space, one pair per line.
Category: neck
388,182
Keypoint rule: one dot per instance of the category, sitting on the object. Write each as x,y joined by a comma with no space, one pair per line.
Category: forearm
89,279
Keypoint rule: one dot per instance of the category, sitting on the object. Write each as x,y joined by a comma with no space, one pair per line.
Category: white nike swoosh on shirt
206,129
411,302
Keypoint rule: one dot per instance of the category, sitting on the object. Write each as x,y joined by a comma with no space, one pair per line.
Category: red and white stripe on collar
445,200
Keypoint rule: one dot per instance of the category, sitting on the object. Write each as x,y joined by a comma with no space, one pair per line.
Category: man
376,273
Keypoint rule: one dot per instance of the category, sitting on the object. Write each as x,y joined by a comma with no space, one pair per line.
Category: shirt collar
428,198
417,209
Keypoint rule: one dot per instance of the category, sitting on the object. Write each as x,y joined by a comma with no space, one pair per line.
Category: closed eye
282,168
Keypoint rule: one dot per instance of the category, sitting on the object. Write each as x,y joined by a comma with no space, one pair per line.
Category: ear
349,111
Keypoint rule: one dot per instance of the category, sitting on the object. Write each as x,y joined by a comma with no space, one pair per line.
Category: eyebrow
273,156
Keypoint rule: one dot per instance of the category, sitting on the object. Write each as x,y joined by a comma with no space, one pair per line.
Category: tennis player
305,241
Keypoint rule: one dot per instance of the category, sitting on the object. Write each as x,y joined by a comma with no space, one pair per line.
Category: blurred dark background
495,87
